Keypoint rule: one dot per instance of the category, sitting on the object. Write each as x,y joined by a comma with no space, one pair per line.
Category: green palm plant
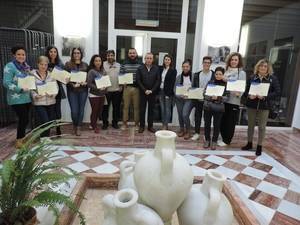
28,180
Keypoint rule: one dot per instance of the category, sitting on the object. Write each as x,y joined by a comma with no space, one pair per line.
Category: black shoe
141,129
258,150
248,146
151,129
104,126
58,131
115,125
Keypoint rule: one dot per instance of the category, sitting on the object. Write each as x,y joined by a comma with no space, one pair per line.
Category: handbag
213,106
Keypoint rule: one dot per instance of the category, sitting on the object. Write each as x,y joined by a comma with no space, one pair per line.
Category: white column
296,119
78,19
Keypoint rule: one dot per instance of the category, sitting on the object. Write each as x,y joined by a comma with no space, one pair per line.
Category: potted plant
28,181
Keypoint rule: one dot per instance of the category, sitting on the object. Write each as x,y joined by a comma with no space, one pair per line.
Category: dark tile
261,166
293,197
207,165
234,166
265,199
248,180
65,161
281,219
277,180
93,162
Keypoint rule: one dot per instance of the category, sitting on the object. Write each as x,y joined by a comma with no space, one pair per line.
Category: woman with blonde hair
44,104
258,106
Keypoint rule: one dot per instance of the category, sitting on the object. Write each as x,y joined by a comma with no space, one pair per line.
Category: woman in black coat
168,76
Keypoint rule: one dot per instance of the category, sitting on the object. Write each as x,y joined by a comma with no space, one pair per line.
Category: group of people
149,83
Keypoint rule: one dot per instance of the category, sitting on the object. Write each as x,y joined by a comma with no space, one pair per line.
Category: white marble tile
276,172
83,156
78,167
1,166
245,189
289,209
254,173
215,159
229,173
265,212
106,168
241,160
294,187
110,157
198,171
66,148
83,148
272,189
263,159
58,155
192,160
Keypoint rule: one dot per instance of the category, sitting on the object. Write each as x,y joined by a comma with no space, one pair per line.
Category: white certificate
103,82
60,74
126,78
260,89
236,85
214,90
78,76
181,90
195,93
27,82
49,88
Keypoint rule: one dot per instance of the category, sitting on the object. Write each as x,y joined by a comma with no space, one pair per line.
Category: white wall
76,18
296,119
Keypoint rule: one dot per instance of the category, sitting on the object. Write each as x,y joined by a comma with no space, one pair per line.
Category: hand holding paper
214,90
181,90
60,75
126,78
236,85
259,89
102,82
49,88
195,93
27,83
78,76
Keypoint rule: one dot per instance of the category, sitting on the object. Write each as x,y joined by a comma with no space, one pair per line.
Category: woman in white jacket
44,103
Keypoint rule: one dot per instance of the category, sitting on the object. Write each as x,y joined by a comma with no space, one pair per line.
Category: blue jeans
165,107
45,113
184,108
77,100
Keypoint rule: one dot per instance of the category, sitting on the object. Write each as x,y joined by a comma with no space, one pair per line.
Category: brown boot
187,135
180,133
19,143
78,131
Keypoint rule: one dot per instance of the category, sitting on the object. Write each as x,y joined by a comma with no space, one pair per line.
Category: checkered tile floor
270,190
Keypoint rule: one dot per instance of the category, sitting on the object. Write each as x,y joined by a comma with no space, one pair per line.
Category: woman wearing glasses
77,92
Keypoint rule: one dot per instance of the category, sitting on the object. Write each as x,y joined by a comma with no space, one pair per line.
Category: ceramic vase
206,204
162,177
124,209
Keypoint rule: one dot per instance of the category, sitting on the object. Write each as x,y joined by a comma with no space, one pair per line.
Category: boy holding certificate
44,103
200,80
214,96
258,105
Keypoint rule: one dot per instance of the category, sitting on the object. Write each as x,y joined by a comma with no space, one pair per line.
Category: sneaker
206,144
136,127
213,145
90,127
195,137
221,144
151,129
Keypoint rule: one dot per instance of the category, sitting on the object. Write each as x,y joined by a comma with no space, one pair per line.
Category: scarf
24,67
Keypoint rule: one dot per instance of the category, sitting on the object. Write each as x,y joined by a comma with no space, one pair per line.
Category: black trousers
198,114
45,113
144,99
217,116
113,98
228,122
22,111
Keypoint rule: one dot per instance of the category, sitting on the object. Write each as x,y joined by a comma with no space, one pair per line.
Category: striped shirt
131,66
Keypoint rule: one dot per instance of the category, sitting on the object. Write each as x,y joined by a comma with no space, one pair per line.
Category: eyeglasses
206,62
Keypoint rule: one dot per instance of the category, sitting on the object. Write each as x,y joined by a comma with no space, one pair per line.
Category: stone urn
162,177
206,204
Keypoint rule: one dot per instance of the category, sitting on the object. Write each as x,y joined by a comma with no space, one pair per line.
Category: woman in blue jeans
166,94
77,92
183,104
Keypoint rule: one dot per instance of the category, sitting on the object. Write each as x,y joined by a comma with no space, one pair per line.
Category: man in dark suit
148,80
